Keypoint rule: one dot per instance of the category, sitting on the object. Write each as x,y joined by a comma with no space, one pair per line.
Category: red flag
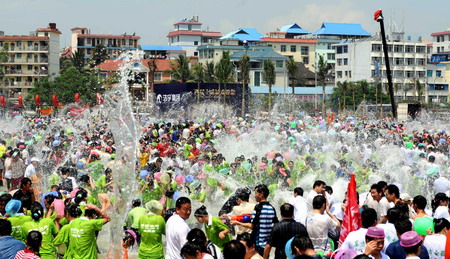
99,99
447,246
55,101
3,101
77,98
352,216
37,99
378,15
20,100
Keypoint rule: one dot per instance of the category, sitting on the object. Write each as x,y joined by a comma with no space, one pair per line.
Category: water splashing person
151,227
33,241
215,229
61,240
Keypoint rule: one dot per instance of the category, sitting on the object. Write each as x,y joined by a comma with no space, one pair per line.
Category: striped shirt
26,254
263,226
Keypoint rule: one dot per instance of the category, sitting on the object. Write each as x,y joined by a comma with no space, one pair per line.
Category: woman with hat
151,228
375,243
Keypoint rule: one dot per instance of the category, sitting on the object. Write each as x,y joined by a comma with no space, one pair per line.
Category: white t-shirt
381,207
441,184
390,232
441,212
317,226
30,171
186,132
176,233
355,240
301,209
435,245
312,194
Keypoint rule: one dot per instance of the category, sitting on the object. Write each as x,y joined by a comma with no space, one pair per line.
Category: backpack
67,184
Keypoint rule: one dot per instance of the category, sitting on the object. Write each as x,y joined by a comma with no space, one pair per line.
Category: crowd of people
270,200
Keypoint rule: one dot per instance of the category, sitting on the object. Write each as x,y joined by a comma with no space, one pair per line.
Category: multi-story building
438,68
334,33
84,41
29,58
441,41
189,35
162,51
364,60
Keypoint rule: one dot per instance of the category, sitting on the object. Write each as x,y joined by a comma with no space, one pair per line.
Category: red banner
46,111
76,112
55,101
37,99
77,98
352,216
3,101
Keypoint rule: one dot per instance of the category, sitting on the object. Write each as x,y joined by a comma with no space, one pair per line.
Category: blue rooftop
294,29
161,48
288,90
342,29
242,34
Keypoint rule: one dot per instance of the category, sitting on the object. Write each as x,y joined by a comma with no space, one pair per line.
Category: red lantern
20,100
55,101
3,101
37,99
99,99
77,98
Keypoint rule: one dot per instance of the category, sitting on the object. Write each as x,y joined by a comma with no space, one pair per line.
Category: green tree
65,86
99,55
210,72
406,88
153,67
370,95
3,58
224,73
322,72
198,73
269,77
244,67
292,70
78,59
419,89
180,68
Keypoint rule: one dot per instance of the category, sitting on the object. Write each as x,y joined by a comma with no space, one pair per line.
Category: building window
305,50
124,42
88,41
279,64
306,60
398,48
196,54
350,74
376,47
345,61
109,42
346,73
345,49
420,49
398,61
409,49
19,55
158,76
339,74
389,47
130,42
409,74
88,51
421,62
339,50
420,74
283,48
398,74
30,44
438,73
257,79
189,27
331,56
30,67
430,73
339,61
329,46
293,48
409,61
195,43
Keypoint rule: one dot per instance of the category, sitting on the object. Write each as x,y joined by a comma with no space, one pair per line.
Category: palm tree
244,66
292,70
209,72
180,68
198,72
364,88
344,86
322,71
269,77
224,72
419,89
153,67
407,87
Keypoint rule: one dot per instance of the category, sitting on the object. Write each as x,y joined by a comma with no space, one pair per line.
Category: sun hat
409,239
405,197
375,232
154,206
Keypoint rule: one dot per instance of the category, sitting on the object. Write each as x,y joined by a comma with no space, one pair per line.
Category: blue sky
152,19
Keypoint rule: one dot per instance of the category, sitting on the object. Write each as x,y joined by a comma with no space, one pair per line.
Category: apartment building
29,58
364,60
83,40
188,34
438,68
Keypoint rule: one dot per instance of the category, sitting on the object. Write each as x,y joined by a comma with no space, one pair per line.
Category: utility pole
378,16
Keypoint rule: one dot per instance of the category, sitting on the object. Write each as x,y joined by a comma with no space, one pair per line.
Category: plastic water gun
244,218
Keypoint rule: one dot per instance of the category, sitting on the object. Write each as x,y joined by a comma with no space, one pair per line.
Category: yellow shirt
143,159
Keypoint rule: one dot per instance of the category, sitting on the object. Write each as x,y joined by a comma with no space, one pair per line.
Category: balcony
28,49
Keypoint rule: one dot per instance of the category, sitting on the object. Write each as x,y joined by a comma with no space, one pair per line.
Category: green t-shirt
82,241
151,228
100,183
62,240
17,223
212,232
134,215
54,179
47,228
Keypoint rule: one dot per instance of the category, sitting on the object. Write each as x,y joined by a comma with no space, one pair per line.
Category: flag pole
378,16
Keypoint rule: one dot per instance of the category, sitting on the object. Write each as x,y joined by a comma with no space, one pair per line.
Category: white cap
405,197
35,159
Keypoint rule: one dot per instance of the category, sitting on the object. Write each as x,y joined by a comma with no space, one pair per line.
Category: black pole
388,69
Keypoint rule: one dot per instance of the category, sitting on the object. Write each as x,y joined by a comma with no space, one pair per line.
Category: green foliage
99,55
210,72
198,73
322,72
224,72
180,68
244,67
292,70
360,90
269,77
419,89
78,59
3,58
65,86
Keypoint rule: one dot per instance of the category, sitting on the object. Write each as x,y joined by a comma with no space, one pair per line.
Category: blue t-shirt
396,251
9,246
